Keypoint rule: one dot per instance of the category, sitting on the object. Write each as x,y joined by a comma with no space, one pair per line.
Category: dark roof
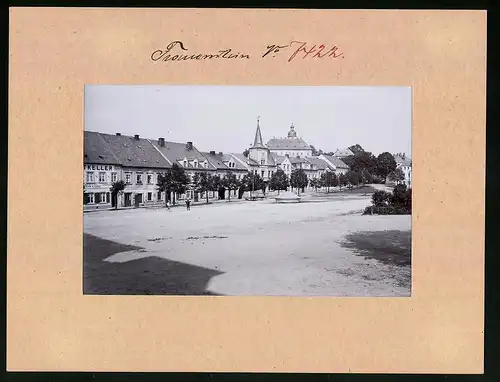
287,144
124,150
216,160
96,150
175,152
294,160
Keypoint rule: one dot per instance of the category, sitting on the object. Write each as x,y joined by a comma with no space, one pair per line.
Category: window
114,177
150,196
139,178
185,163
90,177
128,177
102,177
262,173
91,198
158,196
150,178
262,162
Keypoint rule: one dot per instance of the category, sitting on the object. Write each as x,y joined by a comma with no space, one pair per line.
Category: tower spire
257,142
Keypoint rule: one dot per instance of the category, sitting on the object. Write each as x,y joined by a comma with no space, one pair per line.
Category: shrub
381,198
396,203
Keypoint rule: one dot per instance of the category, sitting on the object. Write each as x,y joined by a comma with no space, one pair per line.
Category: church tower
292,133
258,152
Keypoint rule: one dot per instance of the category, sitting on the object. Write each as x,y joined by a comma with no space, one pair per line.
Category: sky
224,118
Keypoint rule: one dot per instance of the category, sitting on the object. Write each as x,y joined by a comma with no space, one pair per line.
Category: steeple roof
292,133
257,142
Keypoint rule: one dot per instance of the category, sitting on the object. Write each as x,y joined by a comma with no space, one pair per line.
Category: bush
381,198
396,203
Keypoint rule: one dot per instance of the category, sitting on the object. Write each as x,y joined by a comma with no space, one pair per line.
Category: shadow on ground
389,247
145,276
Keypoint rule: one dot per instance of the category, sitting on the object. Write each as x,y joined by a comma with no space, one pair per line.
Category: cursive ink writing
169,54
302,50
274,49
332,53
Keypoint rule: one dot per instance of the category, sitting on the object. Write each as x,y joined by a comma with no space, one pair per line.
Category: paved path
262,248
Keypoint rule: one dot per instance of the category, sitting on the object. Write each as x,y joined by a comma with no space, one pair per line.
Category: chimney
212,152
136,137
118,134
189,145
161,142
220,152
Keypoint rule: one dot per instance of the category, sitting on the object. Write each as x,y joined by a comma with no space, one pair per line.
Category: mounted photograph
247,190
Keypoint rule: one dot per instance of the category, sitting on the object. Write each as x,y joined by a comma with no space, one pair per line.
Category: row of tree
366,164
175,181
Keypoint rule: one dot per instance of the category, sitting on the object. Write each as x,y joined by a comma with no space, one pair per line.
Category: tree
246,152
356,149
335,180
353,177
279,181
385,164
314,151
298,179
230,182
342,180
396,176
215,183
252,182
362,161
116,188
399,195
202,182
174,180
365,177
315,183
328,179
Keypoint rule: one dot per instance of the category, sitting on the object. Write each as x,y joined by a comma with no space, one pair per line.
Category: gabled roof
287,144
402,161
175,152
278,159
216,160
96,150
343,152
336,161
133,152
237,164
244,159
319,163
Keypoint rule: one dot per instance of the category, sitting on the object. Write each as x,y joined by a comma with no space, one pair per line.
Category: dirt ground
251,248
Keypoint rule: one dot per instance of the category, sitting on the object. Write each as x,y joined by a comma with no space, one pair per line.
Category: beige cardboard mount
54,52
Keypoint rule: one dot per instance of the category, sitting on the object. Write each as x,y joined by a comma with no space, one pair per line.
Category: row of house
139,161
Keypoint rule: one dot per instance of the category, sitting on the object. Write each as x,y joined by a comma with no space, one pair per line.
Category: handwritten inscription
170,54
177,51
302,49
